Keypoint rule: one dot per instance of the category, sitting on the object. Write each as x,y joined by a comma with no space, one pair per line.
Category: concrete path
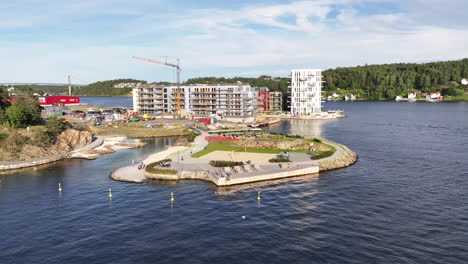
133,174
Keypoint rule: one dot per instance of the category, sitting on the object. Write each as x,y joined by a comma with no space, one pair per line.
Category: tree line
105,88
390,80
273,83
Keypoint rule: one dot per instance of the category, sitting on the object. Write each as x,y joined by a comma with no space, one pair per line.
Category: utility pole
69,85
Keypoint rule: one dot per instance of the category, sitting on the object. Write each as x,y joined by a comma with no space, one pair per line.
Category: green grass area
456,98
150,168
323,154
225,146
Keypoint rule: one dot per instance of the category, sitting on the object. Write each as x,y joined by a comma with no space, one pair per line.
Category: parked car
77,113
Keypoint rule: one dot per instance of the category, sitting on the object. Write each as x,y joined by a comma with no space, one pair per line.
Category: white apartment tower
306,91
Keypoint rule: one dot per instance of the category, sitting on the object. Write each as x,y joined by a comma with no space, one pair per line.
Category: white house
306,91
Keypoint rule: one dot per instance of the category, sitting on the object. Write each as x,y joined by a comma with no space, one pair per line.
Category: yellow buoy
110,193
258,197
60,187
172,196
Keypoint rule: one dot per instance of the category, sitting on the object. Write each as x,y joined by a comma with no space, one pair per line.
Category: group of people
141,165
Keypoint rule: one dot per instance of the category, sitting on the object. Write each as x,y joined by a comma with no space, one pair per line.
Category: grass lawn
225,146
456,98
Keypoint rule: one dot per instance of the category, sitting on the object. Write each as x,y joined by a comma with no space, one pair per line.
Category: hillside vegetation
389,80
105,88
274,84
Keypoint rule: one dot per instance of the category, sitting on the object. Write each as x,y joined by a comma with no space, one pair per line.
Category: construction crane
177,66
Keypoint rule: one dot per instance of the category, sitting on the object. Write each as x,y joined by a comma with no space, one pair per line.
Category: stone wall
343,157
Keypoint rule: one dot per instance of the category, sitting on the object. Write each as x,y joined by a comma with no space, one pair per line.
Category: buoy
110,193
60,187
258,197
172,196
243,217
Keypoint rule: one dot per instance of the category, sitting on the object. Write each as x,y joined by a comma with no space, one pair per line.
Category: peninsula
231,158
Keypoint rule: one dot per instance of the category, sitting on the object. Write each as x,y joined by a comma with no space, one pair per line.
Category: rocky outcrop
71,139
31,148
343,157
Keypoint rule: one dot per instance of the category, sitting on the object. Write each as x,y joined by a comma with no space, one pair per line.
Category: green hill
105,88
273,83
389,80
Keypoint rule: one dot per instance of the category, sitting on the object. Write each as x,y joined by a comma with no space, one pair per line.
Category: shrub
55,125
3,136
192,135
43,139
14,142
279,160
150,168
225,163
323,154
23,112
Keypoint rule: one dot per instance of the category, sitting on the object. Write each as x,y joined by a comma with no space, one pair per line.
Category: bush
150,168
323,154
3,136
55,125
279,160
14,142
43,139
225,163
192,135
23,112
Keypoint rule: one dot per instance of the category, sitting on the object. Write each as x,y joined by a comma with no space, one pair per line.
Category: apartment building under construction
237,100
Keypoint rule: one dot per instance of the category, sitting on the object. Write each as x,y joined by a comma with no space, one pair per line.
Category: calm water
405,201
107,101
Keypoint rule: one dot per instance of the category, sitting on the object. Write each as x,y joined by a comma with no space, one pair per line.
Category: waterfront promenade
259,169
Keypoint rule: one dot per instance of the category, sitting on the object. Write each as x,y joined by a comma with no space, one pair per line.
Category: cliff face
66,141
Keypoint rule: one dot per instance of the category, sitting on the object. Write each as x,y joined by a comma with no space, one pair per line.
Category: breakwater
343,157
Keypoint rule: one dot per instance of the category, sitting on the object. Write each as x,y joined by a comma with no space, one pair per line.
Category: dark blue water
107,101
405,201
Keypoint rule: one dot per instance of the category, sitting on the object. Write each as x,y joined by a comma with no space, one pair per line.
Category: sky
42,41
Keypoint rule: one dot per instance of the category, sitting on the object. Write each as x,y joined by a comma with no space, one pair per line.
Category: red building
264,100
55,100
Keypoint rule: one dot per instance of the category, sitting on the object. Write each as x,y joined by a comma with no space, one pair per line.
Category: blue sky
43,41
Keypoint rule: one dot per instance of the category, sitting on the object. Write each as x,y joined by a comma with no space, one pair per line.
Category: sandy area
239,156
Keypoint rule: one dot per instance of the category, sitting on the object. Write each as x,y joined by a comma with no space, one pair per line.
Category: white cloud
244,41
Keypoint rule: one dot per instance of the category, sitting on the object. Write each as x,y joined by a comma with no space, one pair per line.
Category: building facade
306,89
276,101
235,100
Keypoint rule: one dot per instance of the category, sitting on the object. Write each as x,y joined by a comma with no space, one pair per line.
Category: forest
273,83
105,88
371,82
389,80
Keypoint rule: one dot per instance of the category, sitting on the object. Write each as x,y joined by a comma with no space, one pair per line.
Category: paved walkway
133,174
182,161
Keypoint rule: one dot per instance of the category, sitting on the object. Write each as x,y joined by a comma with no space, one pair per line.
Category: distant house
464,82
